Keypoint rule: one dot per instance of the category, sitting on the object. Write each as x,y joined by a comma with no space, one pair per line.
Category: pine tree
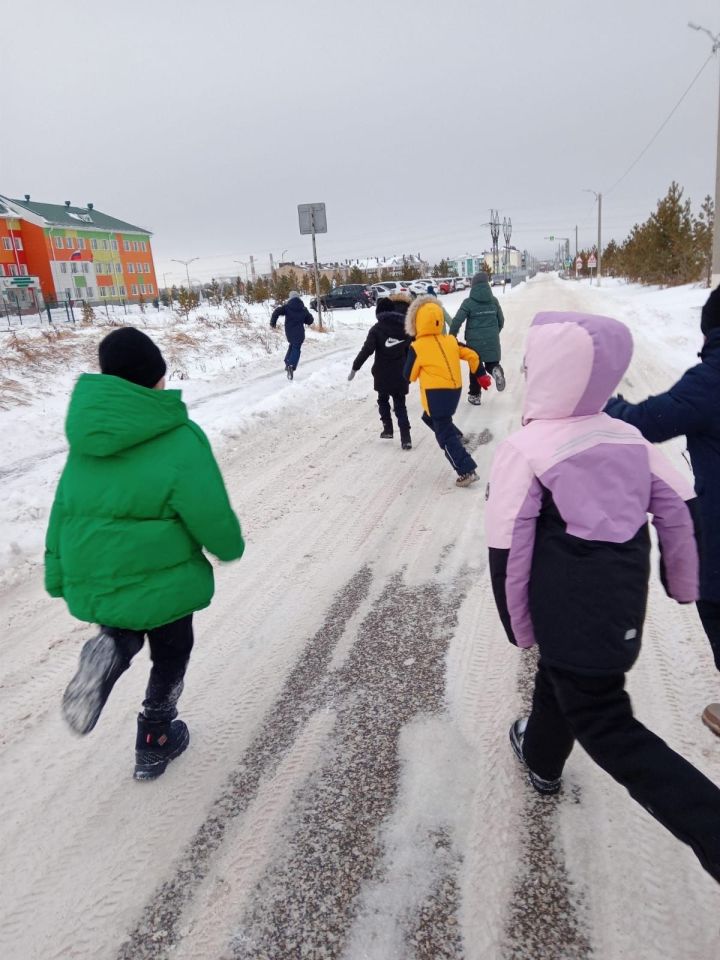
88,314
703,227
325,285
356,275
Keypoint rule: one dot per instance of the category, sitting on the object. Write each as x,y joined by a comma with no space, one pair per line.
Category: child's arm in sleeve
514,500
459,319
53,562
367,350
412,365
672,502
473,359
201,501
276,314
500,315
683,409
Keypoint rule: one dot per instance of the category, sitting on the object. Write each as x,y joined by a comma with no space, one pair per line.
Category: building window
2,270
7,243
136,246
68,293
63,268
150,288
94,243
133,289
90,292
118,268
73,267
86,267
23,270
81,243
122,291
59,243
69,243
147,268
131,268
104,244
113,245
142,288
143,246
18,243
13,269
126,246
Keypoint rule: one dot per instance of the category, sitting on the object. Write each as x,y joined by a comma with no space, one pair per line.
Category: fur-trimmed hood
425,318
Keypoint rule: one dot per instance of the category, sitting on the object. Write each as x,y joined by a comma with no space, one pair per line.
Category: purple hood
573,362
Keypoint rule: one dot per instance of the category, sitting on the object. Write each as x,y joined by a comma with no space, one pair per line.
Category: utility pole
576,247
715,280
598,197
272,267
507,233
495,233
186,264
253,274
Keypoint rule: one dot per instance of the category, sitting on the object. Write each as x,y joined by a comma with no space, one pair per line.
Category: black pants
400,408
170,647
710,616
597,712
475,387
448,438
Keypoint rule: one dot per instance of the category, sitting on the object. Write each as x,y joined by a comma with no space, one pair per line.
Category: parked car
450,284
419,287
356,295
461,283
387,287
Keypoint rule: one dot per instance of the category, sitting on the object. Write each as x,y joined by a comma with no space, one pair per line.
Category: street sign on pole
592,261
578,263
313,220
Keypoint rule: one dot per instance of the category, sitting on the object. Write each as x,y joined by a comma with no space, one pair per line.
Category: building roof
61,215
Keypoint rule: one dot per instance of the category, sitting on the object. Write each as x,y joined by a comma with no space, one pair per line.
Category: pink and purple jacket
568,500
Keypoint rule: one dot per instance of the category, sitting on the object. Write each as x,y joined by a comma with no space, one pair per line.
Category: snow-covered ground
349,790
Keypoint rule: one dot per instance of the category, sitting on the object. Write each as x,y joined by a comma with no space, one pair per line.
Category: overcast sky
208,121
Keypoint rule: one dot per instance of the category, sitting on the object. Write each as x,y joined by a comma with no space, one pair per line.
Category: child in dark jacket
388,343
569,548
139,498
297,317
691,408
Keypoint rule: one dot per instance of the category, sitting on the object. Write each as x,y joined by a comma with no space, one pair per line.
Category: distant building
74,253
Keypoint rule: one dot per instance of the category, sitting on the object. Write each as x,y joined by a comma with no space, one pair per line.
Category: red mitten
485,381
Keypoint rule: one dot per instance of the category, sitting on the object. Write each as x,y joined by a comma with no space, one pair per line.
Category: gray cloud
211,121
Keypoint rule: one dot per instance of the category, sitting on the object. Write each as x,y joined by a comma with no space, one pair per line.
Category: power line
662,126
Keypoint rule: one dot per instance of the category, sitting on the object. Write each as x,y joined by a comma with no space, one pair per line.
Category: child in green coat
139,499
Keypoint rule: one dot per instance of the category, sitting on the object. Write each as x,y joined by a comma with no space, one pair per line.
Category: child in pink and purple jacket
567,532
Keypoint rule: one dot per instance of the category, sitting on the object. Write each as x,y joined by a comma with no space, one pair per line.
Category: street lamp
715,281
186,264
166,274
598,197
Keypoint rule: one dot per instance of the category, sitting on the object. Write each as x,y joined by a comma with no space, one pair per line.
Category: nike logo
392,343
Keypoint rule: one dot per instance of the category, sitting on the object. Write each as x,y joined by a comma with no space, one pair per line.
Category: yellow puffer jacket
434,357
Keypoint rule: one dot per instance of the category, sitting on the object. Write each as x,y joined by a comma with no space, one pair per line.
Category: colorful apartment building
74,253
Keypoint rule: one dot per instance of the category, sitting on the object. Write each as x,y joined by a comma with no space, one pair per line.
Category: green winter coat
484,318
138,499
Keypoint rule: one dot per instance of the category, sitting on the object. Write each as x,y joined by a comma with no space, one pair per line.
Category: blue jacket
297,317
692,408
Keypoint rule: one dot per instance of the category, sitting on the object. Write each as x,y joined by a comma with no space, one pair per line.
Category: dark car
355,295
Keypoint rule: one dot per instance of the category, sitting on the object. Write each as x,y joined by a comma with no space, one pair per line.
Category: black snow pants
475,389
710,616
400,408
597,712
170,647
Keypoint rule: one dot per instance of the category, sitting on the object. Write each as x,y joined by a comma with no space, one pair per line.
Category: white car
387,287
460,283
420,287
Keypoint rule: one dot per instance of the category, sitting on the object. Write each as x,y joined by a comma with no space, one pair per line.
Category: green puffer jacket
485,320
139,498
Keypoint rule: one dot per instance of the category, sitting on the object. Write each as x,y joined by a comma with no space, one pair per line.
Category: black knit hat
395,303
130,354
710,316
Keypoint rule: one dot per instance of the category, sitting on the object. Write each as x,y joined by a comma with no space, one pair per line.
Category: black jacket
297,317
389,342
692,408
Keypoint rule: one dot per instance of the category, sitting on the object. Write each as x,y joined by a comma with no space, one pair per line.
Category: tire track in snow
158,930
307,900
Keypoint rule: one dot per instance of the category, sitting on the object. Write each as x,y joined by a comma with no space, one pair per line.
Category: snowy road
349,791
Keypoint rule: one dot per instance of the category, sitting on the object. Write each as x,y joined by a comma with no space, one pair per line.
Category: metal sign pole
317,275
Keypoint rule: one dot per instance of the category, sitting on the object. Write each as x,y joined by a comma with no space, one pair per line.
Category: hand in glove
351,374
485,381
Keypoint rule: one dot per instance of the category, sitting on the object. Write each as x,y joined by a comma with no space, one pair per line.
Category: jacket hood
481,291
573,364
424,318
107,414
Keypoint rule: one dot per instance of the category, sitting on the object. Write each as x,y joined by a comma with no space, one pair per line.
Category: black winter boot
387,431
405,441
102,662
158,742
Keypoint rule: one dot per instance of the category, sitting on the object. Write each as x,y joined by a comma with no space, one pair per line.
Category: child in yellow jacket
434,358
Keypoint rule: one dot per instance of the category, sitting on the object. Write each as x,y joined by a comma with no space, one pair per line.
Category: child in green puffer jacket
139,499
